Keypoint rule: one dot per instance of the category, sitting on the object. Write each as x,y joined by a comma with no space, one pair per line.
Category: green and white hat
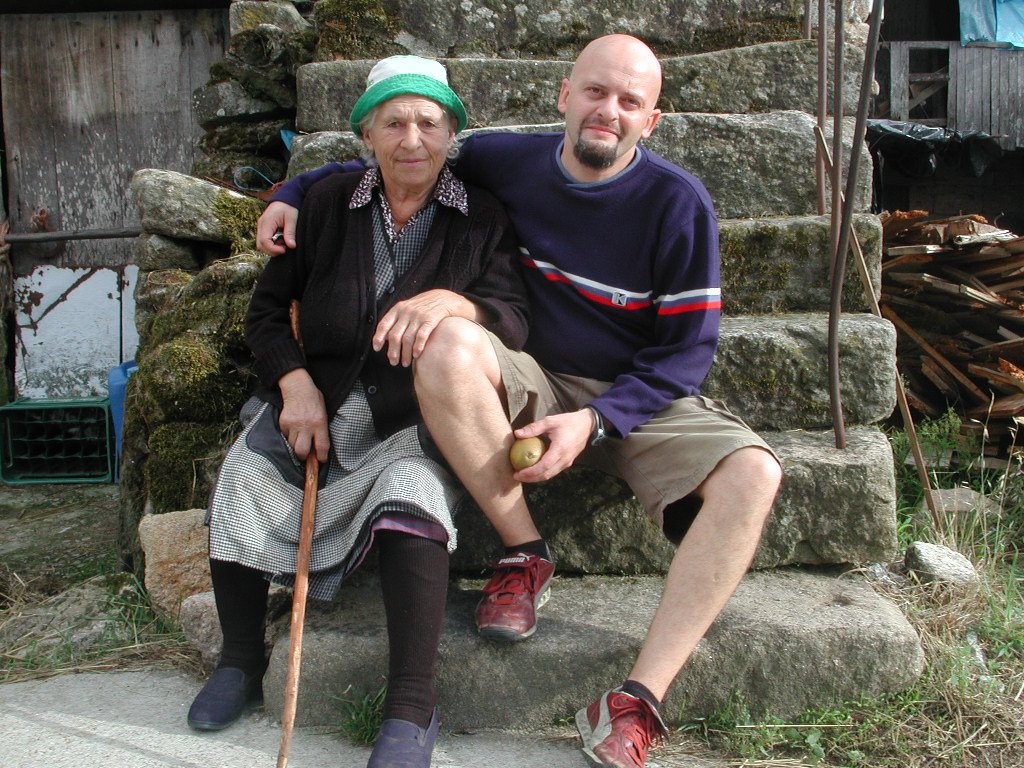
398,75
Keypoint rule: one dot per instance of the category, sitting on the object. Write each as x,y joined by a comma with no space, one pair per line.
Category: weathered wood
937,356
88,98
983,88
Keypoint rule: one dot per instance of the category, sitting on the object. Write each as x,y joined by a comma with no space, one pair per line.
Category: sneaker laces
513,579
643,729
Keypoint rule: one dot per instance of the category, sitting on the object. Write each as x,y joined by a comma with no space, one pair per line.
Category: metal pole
74,234
837,125
839,272
834,389
819,169
901,394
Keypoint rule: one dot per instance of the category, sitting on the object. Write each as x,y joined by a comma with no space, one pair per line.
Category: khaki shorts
663,460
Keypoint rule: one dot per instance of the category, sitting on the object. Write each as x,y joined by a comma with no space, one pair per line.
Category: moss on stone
189,379
354,29
237,214
738,34
183,461
752,276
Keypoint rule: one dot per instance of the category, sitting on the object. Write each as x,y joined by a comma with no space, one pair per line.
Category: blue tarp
992,21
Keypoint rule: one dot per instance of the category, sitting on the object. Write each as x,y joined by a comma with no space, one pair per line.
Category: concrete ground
137,720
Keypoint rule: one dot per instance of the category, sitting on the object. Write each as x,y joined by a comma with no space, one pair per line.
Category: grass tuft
362,714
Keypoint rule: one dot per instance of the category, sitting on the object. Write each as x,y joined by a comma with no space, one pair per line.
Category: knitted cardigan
331,273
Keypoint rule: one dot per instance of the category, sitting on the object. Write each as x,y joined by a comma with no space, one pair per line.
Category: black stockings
414,584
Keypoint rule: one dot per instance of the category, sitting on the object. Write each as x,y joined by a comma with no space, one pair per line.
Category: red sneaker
618,729
520,585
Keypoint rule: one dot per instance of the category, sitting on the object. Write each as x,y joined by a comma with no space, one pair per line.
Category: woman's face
409,138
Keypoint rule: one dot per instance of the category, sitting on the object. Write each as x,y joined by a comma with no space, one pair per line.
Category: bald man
620,261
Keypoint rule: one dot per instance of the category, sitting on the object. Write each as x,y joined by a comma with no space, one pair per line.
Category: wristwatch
598,434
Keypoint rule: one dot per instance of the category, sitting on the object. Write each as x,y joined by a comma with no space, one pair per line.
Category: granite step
835,506
780,264
768,77
772,370
550,28
753,165
788,640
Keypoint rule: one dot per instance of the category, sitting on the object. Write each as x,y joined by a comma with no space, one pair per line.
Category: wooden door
88,98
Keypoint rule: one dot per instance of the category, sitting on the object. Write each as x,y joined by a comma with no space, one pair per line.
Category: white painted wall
73,326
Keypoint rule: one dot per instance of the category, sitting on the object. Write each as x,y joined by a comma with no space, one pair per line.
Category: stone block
769,77
553,29
756,78
776,265
220,103
177,558
156,252
246,15
752,165
787,641
181,206
595,526
773,370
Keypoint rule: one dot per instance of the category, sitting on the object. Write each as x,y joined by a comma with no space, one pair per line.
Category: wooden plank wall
88,98
988,95
985,88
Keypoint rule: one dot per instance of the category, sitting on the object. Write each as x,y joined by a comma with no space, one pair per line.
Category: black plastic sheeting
916,150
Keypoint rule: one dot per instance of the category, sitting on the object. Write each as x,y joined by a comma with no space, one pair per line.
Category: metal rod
819,168
845,227
807,20
834,388
837,126
901,394
74,234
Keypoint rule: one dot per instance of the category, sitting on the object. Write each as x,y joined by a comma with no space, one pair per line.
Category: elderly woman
384,255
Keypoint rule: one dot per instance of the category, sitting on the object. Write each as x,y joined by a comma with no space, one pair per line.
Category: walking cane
291,686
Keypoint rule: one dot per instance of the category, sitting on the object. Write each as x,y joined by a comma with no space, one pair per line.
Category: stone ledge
781,264
756,78
595,526
773,370
753,165
787,641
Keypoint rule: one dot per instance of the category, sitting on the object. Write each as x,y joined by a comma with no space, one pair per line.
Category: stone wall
248,107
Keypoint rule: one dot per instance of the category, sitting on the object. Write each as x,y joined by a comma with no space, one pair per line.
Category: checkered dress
368,484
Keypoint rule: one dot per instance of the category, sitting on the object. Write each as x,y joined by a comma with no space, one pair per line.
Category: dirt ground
54,535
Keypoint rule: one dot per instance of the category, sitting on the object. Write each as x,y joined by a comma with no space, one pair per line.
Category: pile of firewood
954,289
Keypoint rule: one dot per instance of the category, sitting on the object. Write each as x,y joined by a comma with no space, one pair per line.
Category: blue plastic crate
56,441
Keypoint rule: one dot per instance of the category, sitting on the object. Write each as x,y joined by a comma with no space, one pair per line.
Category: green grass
967,708
362,713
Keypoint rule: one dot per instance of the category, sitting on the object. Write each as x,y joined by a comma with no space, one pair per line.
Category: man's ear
652,121
563,95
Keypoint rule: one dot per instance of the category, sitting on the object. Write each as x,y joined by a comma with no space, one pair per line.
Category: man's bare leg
461,395
709,563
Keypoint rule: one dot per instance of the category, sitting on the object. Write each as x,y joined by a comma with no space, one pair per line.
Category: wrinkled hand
405,327
303,419
276,216
567,435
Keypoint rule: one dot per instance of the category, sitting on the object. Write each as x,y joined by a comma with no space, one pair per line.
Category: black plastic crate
56,441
